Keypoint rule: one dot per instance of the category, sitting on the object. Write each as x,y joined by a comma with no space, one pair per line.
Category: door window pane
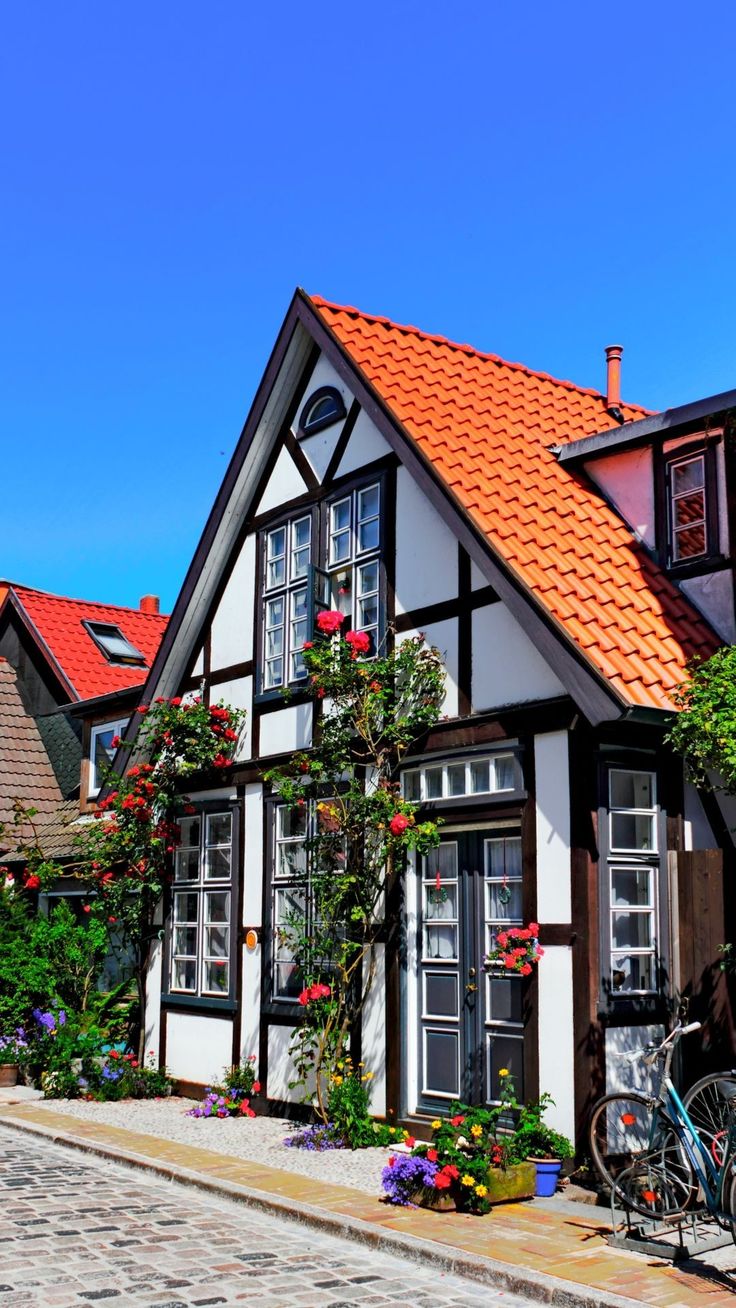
440,994
442,1063
631,789
443,859
633,972
633,831
631,930
439,905
631,885
440,942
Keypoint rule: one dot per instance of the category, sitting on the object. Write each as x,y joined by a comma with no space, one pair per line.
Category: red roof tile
487,426
25,771
58,622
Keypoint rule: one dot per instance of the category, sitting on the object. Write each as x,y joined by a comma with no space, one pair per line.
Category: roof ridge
71,599
465,348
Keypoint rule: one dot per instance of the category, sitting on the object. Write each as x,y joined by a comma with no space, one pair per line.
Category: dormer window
687,496
324,407
114,645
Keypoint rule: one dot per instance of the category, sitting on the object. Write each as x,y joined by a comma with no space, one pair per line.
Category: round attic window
323,407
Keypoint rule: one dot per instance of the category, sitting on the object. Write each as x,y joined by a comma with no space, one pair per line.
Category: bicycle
648,1150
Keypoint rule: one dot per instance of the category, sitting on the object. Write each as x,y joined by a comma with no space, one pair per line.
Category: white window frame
673,497
442,771
291,587
117,726
203,886
347,574
650,812
633,860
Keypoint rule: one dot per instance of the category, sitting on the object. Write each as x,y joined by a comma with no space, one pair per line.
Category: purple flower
405,1175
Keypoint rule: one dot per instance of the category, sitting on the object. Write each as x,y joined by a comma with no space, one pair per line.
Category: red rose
432,1155
330,621
304,998
256,1087
308,644
441,1180
114,742
33,882
457,1121
112,919
176,701
359,641
113,1054
398,824
86,908
451,1170
142,708
525,969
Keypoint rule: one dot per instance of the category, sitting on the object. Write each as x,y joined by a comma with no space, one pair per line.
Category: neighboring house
70,675
568,574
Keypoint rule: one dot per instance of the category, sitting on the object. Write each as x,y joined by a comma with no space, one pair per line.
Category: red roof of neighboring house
57,624
487,426
27,774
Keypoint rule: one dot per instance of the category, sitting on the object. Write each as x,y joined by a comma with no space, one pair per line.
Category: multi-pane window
687,508
353,558
102,751
287,557
201,922
632,873
467,777
289,899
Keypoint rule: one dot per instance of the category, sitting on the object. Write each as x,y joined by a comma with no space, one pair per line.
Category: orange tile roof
487,426
58,622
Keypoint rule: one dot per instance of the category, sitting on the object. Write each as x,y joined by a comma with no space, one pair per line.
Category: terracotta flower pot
8,1074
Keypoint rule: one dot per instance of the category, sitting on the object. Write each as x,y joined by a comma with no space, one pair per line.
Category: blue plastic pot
548,1170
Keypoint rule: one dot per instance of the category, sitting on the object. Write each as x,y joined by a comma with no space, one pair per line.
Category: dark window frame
307,428
620,1007
135,660
694,564
191,999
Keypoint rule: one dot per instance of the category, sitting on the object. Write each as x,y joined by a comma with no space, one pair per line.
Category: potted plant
535,1142
12,1048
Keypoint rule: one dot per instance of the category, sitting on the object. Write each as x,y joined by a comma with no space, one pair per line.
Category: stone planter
8,1074
505,1184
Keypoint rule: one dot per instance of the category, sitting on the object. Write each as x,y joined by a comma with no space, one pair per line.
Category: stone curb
446,1258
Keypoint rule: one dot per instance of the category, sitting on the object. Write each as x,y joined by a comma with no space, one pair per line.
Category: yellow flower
503,1071
340,1066
337,1080
436,1124
367,1077
476,1130
481,1191
467,1179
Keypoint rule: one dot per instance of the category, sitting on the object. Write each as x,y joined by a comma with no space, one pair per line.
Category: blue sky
538,180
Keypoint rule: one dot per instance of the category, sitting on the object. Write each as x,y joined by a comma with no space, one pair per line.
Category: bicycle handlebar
651,1052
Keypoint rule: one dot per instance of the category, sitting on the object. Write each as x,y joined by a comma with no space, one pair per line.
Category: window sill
698,567
204,1003
284,696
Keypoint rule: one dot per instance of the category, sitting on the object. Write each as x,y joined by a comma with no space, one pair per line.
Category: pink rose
359,641
329,621
398,824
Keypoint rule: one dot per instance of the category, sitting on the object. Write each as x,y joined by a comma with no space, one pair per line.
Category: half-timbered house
427,486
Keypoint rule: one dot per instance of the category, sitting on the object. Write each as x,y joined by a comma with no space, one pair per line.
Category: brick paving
81,1231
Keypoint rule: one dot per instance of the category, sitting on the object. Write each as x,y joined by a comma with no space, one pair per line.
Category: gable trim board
290,364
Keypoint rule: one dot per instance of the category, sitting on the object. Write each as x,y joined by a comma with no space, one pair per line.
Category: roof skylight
113,644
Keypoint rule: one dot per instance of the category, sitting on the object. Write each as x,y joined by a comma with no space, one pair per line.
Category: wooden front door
470,1021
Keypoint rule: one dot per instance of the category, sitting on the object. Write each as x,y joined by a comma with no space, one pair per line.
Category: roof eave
671,422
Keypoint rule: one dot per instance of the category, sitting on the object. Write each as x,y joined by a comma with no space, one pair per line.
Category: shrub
534,1139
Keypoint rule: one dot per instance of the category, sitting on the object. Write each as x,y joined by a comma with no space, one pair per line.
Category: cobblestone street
77,1230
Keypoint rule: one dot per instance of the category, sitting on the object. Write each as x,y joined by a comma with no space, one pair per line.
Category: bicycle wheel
660,1182
620,1127
709,1104
729,1203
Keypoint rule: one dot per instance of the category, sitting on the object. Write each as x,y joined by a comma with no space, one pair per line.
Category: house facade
418,485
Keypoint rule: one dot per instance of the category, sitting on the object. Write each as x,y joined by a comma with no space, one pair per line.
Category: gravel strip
257,1139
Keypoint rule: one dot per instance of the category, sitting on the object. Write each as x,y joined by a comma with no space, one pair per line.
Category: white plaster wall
698,833
622,1074
628,480
556,1037
552,785
154,985
198,668
366,444
198,1048
426,550
285,483
712,594
251,915
233,623
507,669
280,1065
444,636
374,1033
285,730
478,579
238,694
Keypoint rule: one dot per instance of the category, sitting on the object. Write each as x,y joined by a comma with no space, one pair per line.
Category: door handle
471,987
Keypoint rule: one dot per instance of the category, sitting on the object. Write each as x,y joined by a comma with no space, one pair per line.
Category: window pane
504,773
186,865
216,942
633,972
219,828
443,859
632,789
216,977
433,783
186,908
505,1052
440,942
290,906
340,547
291,822
189,827
368,535
275,643
367,614
503,857
368,578
480,777
185,941
631,886
631,930
687,476
690,542
217,867
368,503
412,786
276,573
503,902
217,906
274,673
440,904
689,509
340,515
456,779
184,974
275,612
276,543
632,831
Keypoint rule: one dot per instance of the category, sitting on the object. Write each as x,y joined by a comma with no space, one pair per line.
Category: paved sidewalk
547,1254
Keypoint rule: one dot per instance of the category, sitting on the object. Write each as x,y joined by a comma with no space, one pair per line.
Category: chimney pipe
149,604
613,375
